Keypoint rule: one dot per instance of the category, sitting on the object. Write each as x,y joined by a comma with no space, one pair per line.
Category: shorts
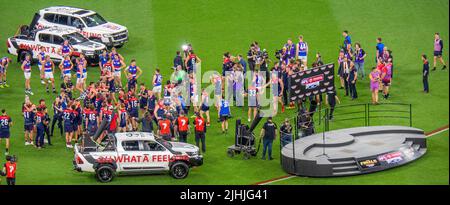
4,134
157,89
204,108
80,80
304,58
68,128
48,75
40,67
134,113
28,128
117,73
27,75
67,74
437,53
386,82
224,117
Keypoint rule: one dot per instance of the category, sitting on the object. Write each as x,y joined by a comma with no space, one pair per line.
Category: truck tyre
105,173
179,170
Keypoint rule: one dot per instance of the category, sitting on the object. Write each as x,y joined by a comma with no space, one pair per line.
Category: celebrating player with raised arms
118,65
66,67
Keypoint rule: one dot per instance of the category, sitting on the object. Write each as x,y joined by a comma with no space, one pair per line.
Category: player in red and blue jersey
118,65
92,120
134,70
4,62
69,127
66,66
224,113
28,111
41,59
191,61
40,128
102,59
5,125
65,49
133,105
123,118
157,83
26,68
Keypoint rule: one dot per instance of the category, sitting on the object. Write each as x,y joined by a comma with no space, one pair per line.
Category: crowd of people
163,108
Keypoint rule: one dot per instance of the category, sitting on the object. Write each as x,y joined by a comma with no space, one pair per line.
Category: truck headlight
192,153
88,53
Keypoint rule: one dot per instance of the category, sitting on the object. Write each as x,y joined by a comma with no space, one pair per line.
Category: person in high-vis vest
200,131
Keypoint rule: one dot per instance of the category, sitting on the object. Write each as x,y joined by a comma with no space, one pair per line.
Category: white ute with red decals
29,42
89,23
135,153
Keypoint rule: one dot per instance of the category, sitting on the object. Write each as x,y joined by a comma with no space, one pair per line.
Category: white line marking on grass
432,134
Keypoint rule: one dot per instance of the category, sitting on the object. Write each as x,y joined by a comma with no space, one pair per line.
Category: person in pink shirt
374,84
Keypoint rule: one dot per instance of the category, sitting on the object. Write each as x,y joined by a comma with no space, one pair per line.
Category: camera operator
305,123
286,133
264,61
251,57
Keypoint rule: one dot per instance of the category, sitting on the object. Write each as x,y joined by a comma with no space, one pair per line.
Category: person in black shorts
438,47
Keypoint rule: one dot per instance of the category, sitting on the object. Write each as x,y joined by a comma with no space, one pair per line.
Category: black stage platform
353,151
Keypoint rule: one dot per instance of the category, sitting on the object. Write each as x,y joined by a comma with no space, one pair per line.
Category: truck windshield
75,38
165,143
94,20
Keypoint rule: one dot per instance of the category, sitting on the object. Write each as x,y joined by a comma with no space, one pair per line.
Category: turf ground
158,28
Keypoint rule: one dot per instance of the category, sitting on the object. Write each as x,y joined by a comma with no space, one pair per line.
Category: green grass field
158,28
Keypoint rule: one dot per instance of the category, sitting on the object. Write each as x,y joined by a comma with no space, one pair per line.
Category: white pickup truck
29,42
135,153
89,23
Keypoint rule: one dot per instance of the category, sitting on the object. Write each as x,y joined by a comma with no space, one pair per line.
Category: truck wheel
179,170
230,153
105,173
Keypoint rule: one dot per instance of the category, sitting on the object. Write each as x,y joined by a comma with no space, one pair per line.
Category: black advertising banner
311,82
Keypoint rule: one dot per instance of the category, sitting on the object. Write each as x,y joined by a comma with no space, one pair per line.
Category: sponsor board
311,82
368,163
391,158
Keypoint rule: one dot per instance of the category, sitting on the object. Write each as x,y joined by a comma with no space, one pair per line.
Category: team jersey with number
27,66
199,124
182,123
41,57
224,108
133,104
5,122
10,170
28,117
164,127
158,79
68,117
